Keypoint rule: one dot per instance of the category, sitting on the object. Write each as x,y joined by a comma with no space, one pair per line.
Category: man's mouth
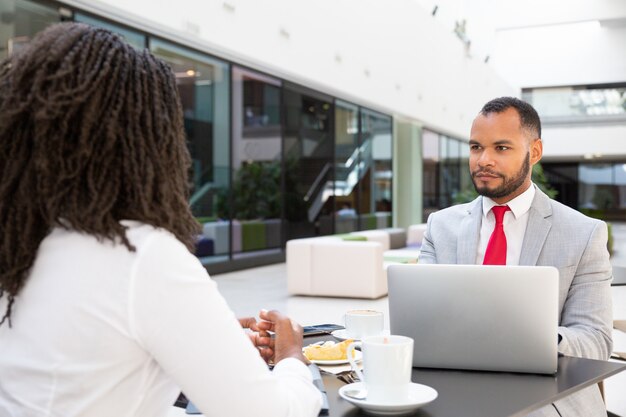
486,175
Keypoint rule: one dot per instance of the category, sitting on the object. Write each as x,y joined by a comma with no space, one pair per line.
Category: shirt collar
519,205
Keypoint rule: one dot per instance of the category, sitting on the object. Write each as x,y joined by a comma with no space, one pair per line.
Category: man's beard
509,185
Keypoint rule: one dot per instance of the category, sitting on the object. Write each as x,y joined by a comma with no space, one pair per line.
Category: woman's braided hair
91,132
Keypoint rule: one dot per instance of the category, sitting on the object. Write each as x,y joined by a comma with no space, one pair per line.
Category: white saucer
419,395
341,334
357,357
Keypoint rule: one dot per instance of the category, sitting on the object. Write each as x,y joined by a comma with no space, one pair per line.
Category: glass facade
20,21
447,179
271,160
256,162
375,163
347,170
308,162
602,190
136,39
204,85
581,102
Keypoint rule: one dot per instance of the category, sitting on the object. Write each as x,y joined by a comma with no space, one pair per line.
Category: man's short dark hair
529,119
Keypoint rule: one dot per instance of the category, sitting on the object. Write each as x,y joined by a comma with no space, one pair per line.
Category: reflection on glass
308,162
563,177
446,178
430,155
466,185
203,83
375,187
596,187
602,190
257,200
449,171
20,21
577,101
136,39
347,172
261,103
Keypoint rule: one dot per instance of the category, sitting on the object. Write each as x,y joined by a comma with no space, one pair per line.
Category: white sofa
329,266
336,267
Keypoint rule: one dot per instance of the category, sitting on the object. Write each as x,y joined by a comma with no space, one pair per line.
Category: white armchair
337,268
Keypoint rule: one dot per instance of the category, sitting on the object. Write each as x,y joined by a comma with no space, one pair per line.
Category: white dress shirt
514,222
99,331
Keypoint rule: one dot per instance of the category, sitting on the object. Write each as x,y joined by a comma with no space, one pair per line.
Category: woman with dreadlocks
105,312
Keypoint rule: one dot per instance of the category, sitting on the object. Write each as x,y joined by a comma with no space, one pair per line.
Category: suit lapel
469,233
539,224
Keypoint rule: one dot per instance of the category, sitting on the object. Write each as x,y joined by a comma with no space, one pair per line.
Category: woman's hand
287,341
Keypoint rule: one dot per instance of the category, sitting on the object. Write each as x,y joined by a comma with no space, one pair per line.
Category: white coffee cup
363,323
387,367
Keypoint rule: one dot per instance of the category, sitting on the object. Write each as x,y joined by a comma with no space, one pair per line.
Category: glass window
466,184
595,186
563,177
375,187
619,175
453,165
430,154
347,172
204,88
256,164
20,20
578,102
136,39
308,162
260,97
448,171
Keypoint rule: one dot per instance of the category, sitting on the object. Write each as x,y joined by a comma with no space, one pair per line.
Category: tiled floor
266,287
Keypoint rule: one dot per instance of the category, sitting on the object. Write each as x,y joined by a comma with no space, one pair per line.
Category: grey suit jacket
558,236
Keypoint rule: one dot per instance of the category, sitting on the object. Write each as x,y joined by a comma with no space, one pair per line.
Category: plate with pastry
330,353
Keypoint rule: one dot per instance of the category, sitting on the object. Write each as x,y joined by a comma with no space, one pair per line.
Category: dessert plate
343,334
419,395
357,357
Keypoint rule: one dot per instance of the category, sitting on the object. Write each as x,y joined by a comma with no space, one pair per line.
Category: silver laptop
491,318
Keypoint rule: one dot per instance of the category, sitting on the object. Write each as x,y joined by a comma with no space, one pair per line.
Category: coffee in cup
364,323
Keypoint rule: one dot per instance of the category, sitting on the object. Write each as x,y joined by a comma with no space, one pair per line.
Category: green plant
539,178
255,192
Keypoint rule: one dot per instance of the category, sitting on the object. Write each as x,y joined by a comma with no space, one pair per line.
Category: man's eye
474,147
502,148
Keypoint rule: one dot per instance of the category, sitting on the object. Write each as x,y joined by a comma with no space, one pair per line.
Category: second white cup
364,323
387,367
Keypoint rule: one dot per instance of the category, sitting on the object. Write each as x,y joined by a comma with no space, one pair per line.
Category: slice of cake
329,351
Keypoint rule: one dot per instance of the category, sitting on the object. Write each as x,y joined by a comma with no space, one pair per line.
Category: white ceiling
535,43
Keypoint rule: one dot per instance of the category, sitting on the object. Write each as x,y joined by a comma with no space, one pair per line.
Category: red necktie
496,248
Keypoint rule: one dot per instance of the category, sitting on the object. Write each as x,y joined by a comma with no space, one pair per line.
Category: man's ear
536,151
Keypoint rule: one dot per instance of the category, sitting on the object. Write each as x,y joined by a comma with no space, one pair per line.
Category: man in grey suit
505,142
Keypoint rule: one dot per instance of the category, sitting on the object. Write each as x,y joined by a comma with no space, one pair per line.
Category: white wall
392,56
572,54
574,142
535,43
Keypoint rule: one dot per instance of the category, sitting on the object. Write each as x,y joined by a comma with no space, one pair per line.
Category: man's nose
485,158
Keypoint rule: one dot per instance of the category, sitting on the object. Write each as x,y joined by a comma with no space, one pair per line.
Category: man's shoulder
573,224
562,212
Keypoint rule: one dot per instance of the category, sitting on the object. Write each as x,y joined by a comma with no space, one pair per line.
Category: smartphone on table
319,329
